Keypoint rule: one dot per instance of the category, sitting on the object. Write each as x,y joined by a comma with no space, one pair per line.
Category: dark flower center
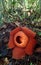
18,39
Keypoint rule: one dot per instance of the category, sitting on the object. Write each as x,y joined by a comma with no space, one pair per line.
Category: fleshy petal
13,32
11,44
18,53
11,39
30,47
28,32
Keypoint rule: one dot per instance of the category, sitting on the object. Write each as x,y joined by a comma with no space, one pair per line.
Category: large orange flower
22,41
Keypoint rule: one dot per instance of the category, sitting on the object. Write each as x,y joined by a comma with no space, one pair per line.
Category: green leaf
31,63
39,33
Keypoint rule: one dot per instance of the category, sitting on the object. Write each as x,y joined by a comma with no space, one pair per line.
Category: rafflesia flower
22,41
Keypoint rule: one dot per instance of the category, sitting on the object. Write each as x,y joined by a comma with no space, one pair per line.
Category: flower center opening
18,39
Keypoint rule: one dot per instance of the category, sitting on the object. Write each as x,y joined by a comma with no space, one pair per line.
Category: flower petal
28,32
13,32
11,39
18,53
10,43
30,47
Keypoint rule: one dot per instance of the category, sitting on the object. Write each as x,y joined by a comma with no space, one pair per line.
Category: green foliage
39,33
11,10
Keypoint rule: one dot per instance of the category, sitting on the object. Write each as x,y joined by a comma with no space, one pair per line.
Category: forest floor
5,29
